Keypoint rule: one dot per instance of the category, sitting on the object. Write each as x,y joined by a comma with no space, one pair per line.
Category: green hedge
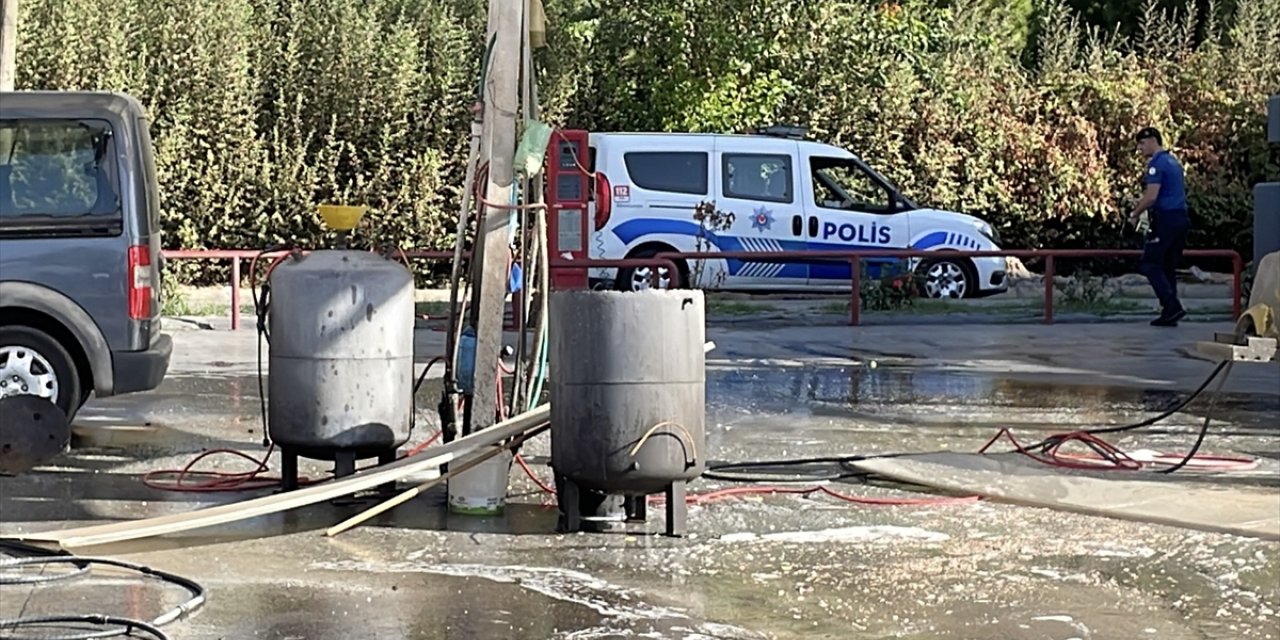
265,107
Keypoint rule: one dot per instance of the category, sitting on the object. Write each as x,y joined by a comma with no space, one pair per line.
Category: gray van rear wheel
33,363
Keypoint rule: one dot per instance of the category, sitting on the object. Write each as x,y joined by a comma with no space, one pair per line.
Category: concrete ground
780,566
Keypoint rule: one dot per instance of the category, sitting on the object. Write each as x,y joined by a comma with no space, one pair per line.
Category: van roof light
784,131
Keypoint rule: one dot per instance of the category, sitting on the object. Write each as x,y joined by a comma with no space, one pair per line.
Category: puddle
951,397
843,534
796,567
613,610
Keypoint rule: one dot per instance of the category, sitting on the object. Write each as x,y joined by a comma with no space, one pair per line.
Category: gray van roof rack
784,131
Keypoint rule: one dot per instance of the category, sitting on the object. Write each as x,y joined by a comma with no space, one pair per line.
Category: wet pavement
775,566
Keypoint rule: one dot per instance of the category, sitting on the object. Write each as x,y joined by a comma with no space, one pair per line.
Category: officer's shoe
1170,319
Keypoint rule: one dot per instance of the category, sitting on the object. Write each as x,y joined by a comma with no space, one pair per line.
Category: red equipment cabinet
571,186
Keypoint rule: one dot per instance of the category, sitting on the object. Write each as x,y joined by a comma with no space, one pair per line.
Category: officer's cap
1149,132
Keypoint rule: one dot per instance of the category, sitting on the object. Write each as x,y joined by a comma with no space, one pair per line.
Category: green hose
542,372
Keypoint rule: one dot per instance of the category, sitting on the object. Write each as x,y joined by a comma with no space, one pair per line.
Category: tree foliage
1018,112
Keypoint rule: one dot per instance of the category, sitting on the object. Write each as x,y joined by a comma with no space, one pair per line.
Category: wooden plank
1154,499
222,514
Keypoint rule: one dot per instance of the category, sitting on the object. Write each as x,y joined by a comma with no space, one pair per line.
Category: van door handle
813,226
796,226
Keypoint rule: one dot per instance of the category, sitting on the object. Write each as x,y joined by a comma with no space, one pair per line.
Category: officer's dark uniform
1168,234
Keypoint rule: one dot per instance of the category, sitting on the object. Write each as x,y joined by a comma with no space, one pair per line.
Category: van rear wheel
33,363
641,278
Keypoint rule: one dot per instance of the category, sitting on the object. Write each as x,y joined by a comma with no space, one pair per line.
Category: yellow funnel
340,217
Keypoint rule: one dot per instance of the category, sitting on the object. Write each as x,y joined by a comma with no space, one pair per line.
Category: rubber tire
623,281
70,393
966,267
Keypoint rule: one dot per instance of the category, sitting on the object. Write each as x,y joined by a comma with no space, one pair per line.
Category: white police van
786,194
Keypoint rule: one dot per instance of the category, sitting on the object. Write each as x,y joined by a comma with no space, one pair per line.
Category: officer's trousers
1161,254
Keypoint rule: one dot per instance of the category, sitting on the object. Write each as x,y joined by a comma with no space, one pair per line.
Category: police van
785,193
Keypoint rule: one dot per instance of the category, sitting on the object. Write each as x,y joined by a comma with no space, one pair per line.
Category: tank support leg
288,470
387,457
677,510
637,508
571,502
344,464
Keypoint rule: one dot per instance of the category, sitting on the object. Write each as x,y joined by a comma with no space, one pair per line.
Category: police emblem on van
762,220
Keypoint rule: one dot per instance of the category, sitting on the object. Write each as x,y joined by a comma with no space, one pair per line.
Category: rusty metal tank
628,388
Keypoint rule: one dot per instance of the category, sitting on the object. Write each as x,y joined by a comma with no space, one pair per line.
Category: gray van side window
671,171
757,176
58,169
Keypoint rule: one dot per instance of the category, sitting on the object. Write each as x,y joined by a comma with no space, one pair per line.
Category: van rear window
671,171
57,172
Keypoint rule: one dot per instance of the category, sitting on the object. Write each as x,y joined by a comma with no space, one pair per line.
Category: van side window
671,171
840,184
57,169
753,176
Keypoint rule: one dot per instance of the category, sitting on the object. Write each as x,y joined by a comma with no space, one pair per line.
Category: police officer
1165,198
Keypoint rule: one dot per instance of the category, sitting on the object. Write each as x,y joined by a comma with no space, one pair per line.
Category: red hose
863,500
217,480
1108,457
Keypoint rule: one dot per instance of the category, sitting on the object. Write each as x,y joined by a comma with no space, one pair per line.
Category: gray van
79,248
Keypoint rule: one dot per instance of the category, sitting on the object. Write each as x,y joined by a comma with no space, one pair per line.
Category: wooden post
501,91
8,43
8,65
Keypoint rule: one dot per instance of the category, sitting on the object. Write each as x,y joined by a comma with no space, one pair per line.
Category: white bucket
482,489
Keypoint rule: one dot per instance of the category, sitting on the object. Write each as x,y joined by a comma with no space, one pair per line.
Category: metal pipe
539,253
1048,289
235,294
1237,286
519,299
464,214
855,300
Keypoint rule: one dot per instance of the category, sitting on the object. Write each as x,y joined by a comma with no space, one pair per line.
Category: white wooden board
1245,511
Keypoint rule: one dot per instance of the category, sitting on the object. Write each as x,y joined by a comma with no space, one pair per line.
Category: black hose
44,557
261,309
1048,443
413,398
1204,429
725,471
127,627
12,578
423,378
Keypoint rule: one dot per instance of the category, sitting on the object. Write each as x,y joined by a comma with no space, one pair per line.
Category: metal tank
628,398
341,364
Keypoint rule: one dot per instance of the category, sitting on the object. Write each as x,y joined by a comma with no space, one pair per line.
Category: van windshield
57,172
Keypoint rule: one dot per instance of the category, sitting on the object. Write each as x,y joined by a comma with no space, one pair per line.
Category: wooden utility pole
8,43
8,66
501,104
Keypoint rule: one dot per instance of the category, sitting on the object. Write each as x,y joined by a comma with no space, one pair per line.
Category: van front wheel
948,278
34,363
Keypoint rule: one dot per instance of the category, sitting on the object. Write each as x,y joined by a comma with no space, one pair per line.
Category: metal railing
670,260
237,255
625,263
854,258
